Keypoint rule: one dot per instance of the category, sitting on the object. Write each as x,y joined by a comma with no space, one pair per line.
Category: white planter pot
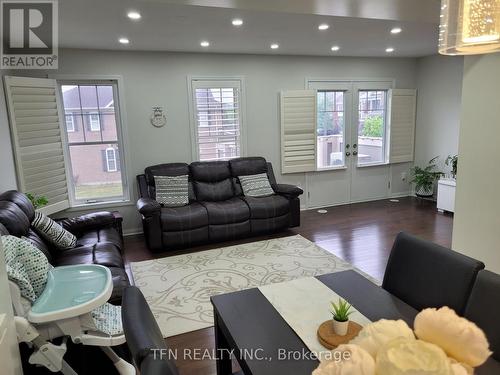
340,328
423,192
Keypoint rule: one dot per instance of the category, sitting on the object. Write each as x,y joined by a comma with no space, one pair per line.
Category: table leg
223,363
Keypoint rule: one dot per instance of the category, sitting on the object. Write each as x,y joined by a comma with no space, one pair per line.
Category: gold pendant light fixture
469,27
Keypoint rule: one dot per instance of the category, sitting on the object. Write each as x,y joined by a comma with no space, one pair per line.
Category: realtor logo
29,34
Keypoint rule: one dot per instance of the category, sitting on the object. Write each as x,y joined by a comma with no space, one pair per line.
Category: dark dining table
248,327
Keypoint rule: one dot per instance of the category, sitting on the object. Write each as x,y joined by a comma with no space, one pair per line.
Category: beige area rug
178,288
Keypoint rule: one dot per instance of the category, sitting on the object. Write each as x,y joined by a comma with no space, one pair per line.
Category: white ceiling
359,27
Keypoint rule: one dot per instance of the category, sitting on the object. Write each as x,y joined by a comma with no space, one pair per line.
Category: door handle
347,153
354,153
354,145
347,146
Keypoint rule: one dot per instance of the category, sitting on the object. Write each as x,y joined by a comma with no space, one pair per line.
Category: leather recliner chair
99,238
217,208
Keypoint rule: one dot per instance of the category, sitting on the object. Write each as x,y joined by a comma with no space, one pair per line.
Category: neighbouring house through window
95,122
70,123
217,112
94,141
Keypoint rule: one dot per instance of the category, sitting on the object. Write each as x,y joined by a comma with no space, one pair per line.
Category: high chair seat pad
71,291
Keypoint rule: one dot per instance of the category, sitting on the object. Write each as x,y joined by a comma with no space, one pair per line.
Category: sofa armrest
89,221
148,207
290,191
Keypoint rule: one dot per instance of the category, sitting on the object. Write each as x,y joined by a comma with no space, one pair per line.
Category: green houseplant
38,201
340,312
453,162
424,178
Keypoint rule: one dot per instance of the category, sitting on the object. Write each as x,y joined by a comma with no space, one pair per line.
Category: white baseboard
132,232
398,195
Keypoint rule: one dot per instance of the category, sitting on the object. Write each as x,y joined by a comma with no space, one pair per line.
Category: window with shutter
35,120
216,119
298,131
402,125
93,148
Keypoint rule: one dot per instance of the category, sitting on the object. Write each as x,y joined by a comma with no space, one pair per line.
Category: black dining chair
424,274
144,338
483,308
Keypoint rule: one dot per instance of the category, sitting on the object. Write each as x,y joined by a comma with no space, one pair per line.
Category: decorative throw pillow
53,232
26,266
172,191
256,185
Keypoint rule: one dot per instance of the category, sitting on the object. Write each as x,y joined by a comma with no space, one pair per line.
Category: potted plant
424,178
341,312
37,201
453,162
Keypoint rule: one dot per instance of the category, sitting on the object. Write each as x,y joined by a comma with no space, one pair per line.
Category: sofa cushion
267,207
187,217
40,244
230,211
210,171
248,166
212,180
214,191
172,191
169,169
256,185
104,254
104,235
14,219
53,232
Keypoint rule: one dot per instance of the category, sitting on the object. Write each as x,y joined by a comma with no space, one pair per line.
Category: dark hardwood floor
361,234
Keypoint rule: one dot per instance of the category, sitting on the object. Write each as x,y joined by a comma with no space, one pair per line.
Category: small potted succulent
424,178
341,312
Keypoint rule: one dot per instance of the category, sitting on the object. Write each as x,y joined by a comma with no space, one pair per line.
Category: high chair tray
72,291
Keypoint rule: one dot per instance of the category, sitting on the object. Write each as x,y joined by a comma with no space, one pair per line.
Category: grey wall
439,85
159,79
477,220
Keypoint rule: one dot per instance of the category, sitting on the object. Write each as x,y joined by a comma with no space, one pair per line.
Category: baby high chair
68,301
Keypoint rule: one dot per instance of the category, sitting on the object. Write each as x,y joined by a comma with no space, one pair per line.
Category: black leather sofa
99,238
217,208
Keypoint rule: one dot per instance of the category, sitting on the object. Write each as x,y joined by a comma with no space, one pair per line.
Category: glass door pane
372,113
330,129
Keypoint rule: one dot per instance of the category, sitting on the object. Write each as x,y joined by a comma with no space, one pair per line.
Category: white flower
458,337
403,356
347,360
376,334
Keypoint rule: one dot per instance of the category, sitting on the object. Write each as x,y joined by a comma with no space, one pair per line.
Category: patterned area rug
178,288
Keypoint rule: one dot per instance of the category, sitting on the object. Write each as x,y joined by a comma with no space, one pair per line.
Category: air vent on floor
394,200
322,211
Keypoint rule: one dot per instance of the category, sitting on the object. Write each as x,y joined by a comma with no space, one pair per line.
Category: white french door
352,152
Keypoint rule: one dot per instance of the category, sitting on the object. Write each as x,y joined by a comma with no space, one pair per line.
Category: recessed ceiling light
323,26
133,15
237,22
389,50
335,48
396,30
124,41
275,46
205,43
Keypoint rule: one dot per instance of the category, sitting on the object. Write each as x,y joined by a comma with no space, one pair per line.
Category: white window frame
72,122
113,159
194,82
357,84
123,144
94,122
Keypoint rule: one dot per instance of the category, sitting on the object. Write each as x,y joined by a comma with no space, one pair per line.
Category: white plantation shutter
402,125
217,111
35,119
298,131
